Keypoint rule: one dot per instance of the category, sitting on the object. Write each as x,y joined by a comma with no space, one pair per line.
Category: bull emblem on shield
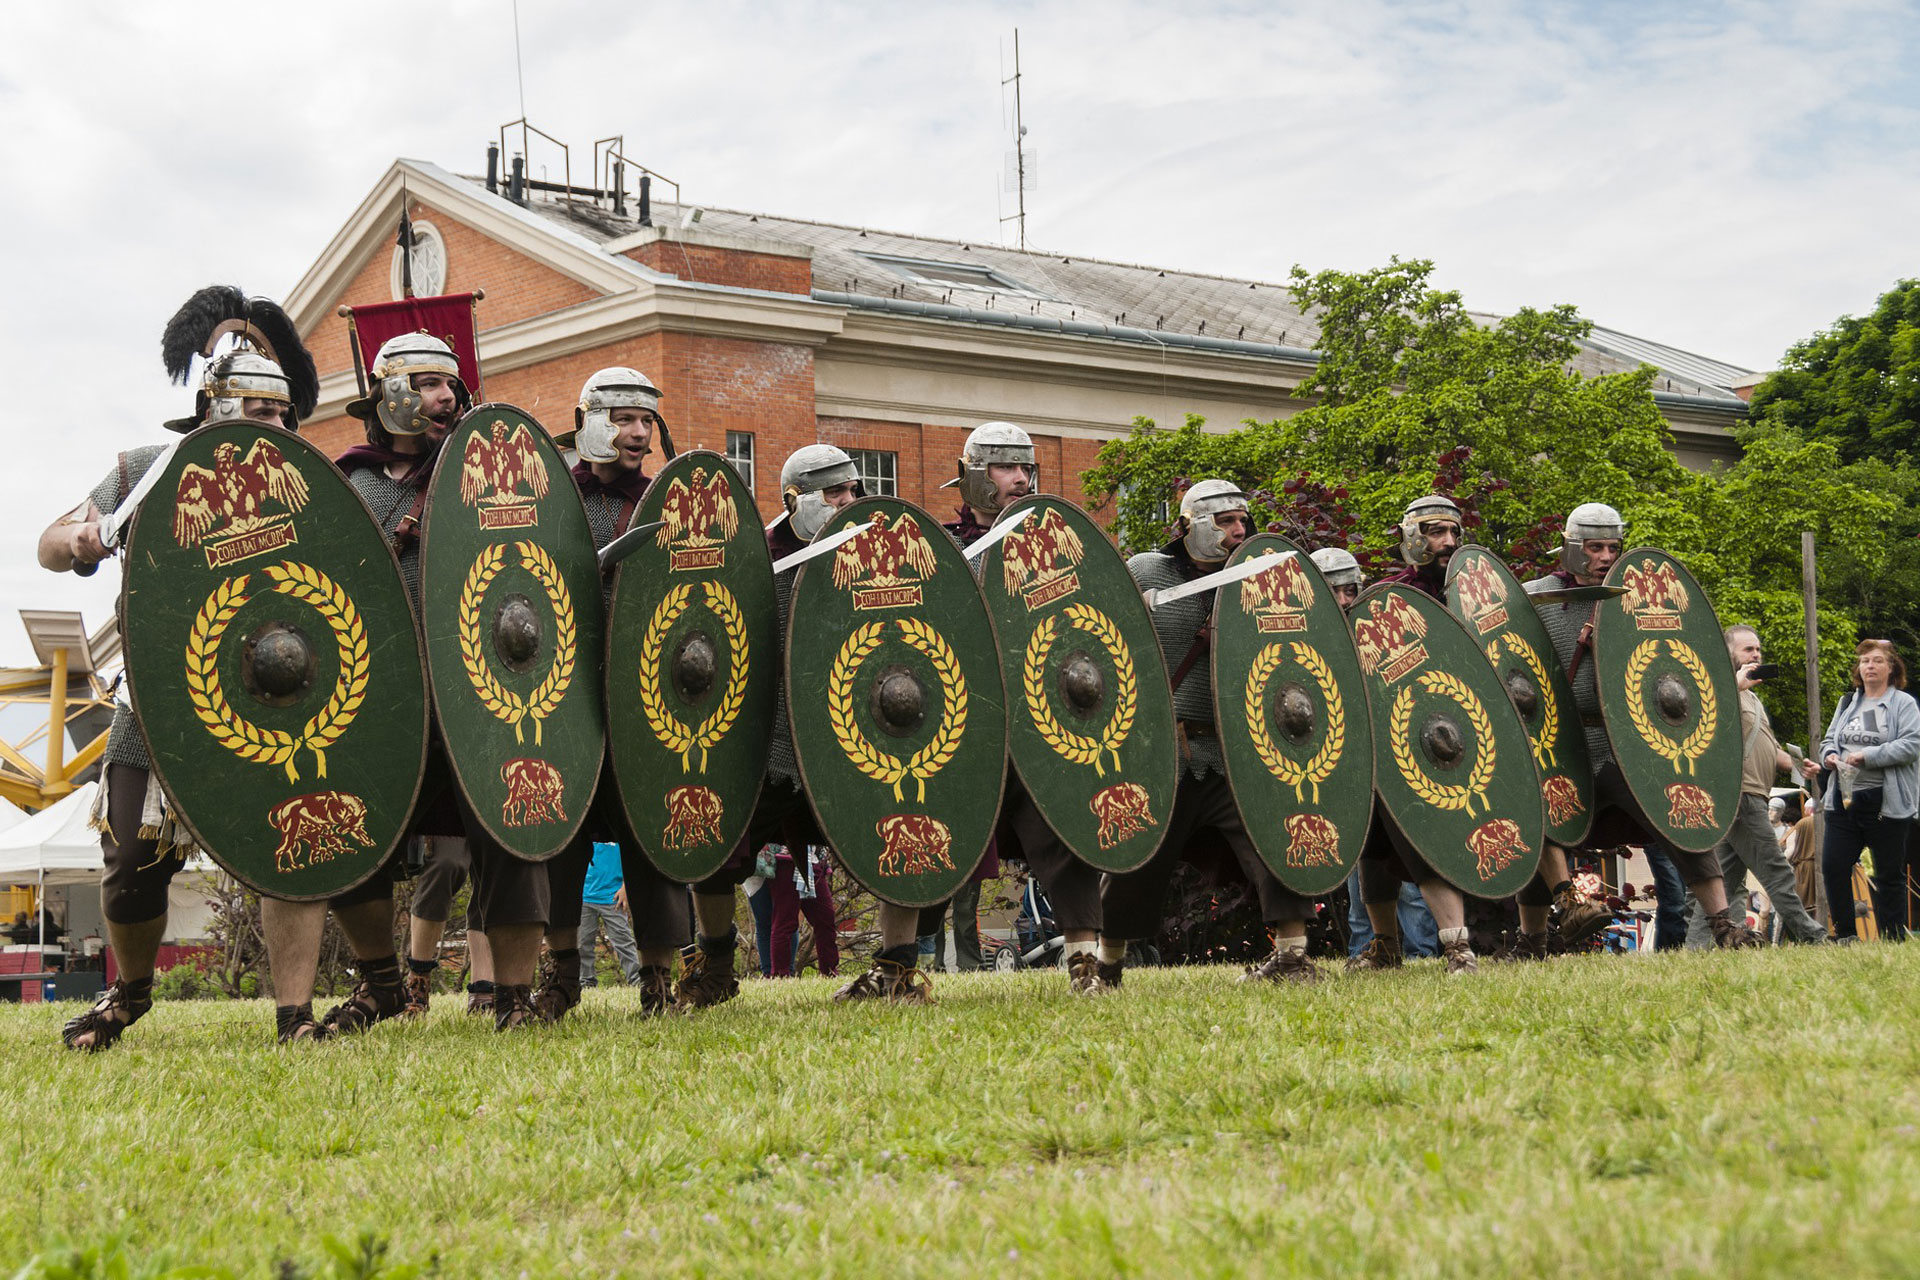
1312,841
534,791
322,826
913,844
1689,806
1122,811
1496,845
1563,799
693,818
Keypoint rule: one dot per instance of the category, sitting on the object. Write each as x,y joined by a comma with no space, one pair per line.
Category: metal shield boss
511,609
1292,710
893,691
693,663
1494,605
1090,717
1454,766
273,662
1668,693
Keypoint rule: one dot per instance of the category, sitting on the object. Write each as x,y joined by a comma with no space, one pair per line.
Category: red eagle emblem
230,499
1655,589
1390,625
495,468
693,511
1480,588
1037,549
1285,586
878,556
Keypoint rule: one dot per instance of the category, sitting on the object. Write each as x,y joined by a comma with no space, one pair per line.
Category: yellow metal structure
75,698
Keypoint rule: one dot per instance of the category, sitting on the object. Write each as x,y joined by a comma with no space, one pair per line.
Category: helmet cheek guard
1200,529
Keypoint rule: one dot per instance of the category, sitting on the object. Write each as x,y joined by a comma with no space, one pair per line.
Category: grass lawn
1681,1115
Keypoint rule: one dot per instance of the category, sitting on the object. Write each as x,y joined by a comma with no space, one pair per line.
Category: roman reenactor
269,377
1214,520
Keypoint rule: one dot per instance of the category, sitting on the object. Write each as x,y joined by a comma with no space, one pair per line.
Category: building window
879,471
945,275
740,454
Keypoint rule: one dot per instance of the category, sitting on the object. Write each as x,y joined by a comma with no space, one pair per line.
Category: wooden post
1815,729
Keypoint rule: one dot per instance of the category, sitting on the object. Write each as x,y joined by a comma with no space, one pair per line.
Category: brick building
768,333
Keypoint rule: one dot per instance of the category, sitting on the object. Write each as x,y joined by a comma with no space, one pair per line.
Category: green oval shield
692,667
1293,717
511,609
1455,767
893,691
1090,715
273,661
1493,604
1668,693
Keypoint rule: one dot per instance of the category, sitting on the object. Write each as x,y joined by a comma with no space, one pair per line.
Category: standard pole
56,725
1810,606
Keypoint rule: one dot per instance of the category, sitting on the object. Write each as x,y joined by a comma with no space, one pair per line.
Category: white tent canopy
56,842
11,814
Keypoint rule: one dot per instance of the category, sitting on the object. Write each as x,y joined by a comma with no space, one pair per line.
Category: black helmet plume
220,309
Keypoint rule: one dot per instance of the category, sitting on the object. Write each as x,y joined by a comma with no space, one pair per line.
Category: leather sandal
119,1007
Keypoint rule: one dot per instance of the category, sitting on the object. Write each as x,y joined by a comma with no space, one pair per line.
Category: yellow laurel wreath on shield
232,730
674,733
871,760
1444,795
1543,745
1320,766
1079,748
501,702
1694,745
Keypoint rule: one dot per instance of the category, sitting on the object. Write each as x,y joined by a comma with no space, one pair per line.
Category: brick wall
735,268
517,287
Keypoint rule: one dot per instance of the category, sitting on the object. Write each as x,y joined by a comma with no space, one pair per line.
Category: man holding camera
1751,844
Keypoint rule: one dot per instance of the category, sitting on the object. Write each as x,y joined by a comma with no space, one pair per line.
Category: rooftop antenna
1020,165
519,72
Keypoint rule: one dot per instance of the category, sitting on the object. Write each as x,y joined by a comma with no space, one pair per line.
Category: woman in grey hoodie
1873,747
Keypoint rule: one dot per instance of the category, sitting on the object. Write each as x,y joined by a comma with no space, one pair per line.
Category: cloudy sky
1727,178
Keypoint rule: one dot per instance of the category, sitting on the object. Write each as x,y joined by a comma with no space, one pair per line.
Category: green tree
1856,384
1414,395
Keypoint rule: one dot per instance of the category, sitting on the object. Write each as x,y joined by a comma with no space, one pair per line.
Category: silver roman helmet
987,444
1589,520
1421,512
1338,567
1198,506
605,391
267,362
392,401
808,470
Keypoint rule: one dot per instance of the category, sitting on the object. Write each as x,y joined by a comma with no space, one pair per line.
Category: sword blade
1245,569
113,527
627,543
987,539
1575,595
819,548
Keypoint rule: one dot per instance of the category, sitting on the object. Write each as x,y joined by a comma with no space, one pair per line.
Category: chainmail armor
125,745
1563,622
1176,625
390,500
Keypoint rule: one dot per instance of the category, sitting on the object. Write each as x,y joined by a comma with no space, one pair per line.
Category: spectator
1803,855
603,905
1419,935
759,890
805,887
1750,844
1873,747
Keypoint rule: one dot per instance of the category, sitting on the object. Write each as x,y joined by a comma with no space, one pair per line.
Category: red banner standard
449,317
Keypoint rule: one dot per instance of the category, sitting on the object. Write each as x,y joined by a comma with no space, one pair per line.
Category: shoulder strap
1202,641
125,486
407,532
